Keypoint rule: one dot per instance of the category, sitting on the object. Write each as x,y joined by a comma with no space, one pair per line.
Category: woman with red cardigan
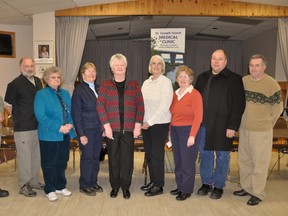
121,110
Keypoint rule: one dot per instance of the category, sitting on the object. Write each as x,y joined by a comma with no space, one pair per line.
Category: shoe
204,190
4,193
147,186
97,188
253,201
154,191
114,193
216,193
88,191
175,192
52,197
126,194
26,190
182,196
64,192
241,193
38,186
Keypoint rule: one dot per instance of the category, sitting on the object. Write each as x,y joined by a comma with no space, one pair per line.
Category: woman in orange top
187,111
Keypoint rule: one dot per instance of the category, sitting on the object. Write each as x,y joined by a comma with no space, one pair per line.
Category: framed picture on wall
43,52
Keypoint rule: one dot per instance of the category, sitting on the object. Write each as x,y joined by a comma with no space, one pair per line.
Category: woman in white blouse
157,93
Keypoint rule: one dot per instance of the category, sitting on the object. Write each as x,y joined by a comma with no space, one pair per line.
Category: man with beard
19,101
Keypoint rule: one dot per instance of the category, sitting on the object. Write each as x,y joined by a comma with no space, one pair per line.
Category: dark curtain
197,56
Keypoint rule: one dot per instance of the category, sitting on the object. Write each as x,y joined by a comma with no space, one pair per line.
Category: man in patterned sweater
263,108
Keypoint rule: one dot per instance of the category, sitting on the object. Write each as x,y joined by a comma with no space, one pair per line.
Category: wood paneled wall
178,7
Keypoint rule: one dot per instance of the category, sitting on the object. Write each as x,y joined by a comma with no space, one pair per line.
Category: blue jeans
209,175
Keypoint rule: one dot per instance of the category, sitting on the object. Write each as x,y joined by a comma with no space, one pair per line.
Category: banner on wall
170,44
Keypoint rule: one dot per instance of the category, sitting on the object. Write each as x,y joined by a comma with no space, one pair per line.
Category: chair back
10,121
280,124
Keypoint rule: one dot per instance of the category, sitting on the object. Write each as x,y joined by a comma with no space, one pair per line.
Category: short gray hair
50,70
117,56
259,56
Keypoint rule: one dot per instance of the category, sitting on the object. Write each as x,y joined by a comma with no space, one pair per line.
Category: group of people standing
203,117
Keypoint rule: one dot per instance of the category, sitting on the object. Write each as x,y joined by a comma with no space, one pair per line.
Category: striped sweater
107,105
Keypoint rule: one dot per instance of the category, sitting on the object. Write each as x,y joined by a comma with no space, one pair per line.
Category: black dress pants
121,159
154,139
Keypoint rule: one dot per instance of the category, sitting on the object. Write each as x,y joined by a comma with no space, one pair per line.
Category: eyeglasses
183,77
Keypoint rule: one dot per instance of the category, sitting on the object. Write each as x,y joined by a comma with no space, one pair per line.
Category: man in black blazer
223,105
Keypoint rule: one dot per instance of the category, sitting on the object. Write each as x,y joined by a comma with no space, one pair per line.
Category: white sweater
158,95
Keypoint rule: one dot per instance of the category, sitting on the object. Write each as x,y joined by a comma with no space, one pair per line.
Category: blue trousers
89,161
209,175
54,158
184,158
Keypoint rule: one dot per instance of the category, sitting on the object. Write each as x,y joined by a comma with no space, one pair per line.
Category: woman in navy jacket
52,107
88,128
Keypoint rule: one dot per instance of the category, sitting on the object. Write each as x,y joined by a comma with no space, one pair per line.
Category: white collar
189,89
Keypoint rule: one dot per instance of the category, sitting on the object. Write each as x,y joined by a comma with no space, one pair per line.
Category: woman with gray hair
121,110
52,107
157,93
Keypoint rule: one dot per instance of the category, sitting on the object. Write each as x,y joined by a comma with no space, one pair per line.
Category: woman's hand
69,126
83,140
108,131
64,129
191,141
145,125
137,130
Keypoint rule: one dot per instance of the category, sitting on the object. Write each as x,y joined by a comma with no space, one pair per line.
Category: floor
79,204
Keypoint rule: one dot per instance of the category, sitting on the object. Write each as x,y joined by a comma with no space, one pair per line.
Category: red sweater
107,105
187,111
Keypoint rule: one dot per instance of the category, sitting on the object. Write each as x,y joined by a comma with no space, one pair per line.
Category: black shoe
216,193
175,192
4,193
126,194
97,188
182,196
147,186
154,191
88,192
204,190
253,201
241,193
114,193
